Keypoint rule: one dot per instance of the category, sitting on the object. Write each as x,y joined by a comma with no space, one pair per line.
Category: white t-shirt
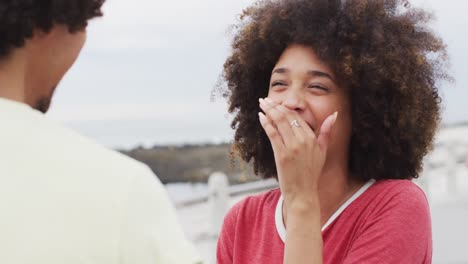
65,199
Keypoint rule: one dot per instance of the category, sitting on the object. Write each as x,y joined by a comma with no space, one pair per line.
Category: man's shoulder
29,136
99,158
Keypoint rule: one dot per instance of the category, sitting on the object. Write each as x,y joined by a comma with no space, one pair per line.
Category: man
63,198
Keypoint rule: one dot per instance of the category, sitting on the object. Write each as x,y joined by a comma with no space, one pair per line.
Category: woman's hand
299,154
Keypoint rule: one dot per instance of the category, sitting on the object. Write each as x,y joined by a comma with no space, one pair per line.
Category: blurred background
143,85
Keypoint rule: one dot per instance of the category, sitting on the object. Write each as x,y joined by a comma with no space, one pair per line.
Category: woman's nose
294,100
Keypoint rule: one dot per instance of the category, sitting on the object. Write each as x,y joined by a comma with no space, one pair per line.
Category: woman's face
303,83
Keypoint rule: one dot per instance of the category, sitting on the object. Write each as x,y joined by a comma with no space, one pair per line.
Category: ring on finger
294,123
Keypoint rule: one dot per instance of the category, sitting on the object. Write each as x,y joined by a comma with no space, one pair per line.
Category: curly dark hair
382,49
19,18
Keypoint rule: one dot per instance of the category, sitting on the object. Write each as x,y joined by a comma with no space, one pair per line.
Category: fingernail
335,116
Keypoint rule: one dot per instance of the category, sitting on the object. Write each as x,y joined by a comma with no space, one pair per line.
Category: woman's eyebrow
320,74
280,70
313,73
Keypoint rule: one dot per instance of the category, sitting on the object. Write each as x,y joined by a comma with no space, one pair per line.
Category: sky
146,74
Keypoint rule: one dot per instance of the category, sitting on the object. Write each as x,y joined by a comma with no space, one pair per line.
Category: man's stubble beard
43,103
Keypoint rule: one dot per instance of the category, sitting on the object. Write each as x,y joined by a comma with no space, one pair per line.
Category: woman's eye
318,87
277,84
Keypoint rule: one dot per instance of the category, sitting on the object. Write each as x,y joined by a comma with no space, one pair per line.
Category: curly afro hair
19,18
382,49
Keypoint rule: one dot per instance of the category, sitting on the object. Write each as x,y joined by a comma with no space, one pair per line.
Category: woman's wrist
299,205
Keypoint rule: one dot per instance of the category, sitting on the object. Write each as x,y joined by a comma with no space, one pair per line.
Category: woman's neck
335,188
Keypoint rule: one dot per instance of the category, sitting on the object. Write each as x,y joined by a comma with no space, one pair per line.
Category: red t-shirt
387,223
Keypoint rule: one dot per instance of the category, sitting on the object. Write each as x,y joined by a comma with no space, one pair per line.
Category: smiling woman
337,100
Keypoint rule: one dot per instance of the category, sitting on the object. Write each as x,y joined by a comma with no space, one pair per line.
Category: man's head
39,42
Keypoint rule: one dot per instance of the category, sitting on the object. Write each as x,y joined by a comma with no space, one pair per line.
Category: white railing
445,175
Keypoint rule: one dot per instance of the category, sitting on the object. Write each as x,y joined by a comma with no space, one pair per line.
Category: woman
338,100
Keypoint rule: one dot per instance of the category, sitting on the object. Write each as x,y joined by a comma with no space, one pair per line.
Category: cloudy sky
148,68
